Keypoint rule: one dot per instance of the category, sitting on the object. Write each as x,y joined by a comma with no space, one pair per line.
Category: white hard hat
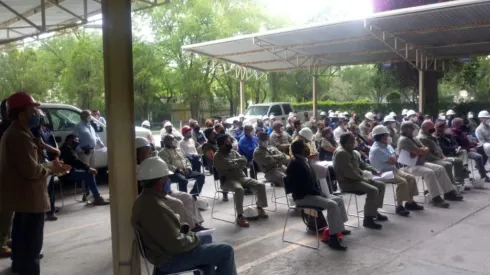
450,113
404,112
322,113
330,111
241,116
483,114
146,123
250,212
471,115
369,115
271,117
153,168
411,113
337,112
393,114
141,142
306,133
168,123
388,119
291,114
265,117
202,203
346,113
342,116
380,130
332,115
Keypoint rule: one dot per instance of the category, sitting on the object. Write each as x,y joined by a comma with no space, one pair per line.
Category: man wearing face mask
209,149
168,243
168,129
436,156
188,147
366,125
412,116
246,147
270,160
197,134
320,125
475,153
180,166
390,124
88,139
382,157
435,176
279,138
23,183
341,129
230,165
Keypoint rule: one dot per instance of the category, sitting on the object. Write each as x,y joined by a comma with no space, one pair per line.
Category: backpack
309,220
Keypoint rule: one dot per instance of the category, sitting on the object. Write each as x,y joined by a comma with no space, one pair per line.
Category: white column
242,96
315,96
421,91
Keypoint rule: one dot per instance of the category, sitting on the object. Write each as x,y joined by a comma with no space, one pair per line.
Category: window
256,111
64,119
287,108
276,110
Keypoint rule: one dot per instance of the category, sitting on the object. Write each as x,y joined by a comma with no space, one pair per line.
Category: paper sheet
405,159
385,176
205,232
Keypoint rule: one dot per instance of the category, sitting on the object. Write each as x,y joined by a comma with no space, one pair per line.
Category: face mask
75,144
264,144
197,128
415,132
431,131
228,147
390,140
283,129
34,120
175,143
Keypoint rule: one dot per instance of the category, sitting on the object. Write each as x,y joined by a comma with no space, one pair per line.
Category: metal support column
242,96
118,65
421,91
315,96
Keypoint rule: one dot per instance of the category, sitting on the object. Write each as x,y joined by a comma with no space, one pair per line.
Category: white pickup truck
280,110
63,118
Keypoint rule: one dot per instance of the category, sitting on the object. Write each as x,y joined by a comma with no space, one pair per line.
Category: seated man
181,203
209,149
348,168
230,164
474,153
180,166
436,156
270,160
279,138
188,147
168,129
246,147
80,170
197,133
169,244
305,191
341,128
383,158
435,176
449,146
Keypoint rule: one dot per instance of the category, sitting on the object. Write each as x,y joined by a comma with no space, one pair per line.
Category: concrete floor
435,241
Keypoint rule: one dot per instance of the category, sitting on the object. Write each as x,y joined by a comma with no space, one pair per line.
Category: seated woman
181,203
303,184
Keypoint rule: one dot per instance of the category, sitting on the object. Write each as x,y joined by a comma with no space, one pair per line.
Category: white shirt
188,147
337,133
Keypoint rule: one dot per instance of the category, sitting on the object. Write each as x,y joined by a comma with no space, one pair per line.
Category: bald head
457,122
428,127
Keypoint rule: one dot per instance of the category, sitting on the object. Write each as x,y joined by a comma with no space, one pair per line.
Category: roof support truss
20,16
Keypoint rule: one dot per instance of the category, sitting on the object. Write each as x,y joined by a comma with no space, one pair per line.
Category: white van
63,118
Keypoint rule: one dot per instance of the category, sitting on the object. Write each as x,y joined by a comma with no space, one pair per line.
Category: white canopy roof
421,35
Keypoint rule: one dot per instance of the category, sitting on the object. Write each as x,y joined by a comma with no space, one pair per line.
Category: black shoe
426,192
335,243
413,206
381,218
487,179
400,210
453,196
369,222
225,197
84,197
346,232
439,202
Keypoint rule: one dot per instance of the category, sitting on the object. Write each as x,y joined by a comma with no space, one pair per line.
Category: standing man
23,183
96,115
88,139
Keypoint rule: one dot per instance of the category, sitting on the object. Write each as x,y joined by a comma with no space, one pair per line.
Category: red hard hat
20,99
186,129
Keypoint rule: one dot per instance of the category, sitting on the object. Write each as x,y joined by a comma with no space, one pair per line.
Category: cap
20,99
186,129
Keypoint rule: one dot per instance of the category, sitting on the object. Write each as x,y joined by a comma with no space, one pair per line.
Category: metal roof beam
20,16
26,14
83,19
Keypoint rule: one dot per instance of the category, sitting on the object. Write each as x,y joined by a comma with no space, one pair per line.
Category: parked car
63,118
280,110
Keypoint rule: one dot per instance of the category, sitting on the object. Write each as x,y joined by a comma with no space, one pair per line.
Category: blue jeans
89,181
212,258
196,163
51,197
182,181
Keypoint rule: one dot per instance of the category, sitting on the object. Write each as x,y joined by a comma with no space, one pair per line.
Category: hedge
362,107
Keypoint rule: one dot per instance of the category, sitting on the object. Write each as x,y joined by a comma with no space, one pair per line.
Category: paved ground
436,241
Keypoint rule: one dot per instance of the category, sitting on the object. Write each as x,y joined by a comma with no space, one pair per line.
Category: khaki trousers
435,176
237,186
276,175
406,185
375,193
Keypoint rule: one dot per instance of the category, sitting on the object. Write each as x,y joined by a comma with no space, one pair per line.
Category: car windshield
257,110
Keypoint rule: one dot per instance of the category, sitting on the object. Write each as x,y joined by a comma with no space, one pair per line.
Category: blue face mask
34,120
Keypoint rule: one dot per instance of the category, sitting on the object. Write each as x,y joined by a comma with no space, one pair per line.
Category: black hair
70,137
298,147
262,136
344,138
207,132
297,122
379,137
221,139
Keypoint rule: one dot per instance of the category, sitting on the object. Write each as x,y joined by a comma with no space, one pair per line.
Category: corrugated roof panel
449,37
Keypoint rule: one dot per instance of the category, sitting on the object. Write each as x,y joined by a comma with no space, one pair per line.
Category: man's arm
222,164
25,158
168,160
345,167
69,157
262,158
430,155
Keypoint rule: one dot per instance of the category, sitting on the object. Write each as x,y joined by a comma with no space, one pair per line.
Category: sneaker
381,218
402,211
225,197
453,196
51,218
100,201
242,221
413,206
5,252
439,202
262,213
369,222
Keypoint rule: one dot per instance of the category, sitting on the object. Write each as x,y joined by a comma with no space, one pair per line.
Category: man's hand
93,171
472,149
378,173
59,167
